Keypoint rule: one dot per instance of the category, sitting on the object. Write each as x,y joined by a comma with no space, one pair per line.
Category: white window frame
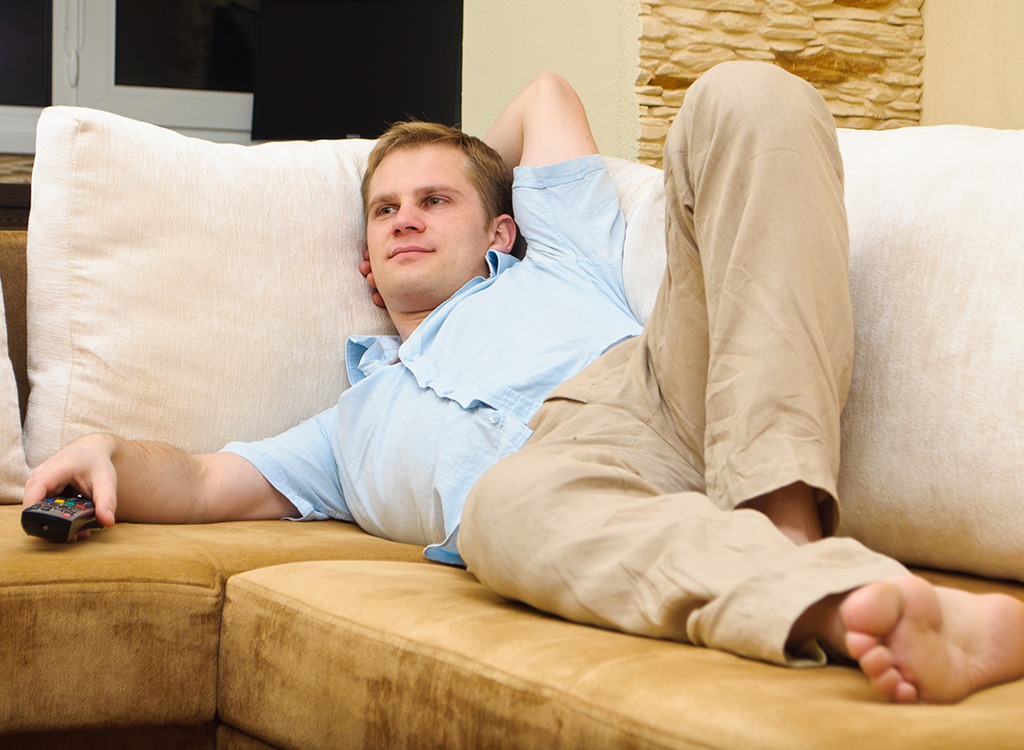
83,75
18,129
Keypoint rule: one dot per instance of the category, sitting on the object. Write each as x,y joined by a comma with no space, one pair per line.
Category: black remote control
60,517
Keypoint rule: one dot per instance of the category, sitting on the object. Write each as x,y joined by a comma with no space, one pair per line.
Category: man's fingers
37,488
84,465
103,493
364,269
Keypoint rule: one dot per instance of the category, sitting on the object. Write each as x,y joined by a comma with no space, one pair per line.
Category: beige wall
594,44
974,63
973,66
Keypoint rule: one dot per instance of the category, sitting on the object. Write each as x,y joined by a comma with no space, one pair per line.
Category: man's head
429,223
485,168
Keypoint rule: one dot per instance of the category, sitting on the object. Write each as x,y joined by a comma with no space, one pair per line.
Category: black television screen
350,68
26,27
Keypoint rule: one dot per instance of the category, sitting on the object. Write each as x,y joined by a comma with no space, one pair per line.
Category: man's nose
407,219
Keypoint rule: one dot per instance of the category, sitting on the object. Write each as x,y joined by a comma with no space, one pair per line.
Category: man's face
426,229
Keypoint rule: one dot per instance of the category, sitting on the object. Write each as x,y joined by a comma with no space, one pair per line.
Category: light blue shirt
426,417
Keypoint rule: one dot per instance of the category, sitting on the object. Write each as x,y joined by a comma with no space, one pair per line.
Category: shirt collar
499,262
366,354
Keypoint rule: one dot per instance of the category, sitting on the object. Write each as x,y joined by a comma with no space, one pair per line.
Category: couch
170,288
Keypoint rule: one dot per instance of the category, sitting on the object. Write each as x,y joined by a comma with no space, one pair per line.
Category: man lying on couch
678,481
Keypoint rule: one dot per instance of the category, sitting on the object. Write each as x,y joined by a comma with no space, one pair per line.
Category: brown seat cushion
382,654
131,618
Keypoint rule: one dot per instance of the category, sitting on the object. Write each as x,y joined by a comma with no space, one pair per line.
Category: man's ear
503,233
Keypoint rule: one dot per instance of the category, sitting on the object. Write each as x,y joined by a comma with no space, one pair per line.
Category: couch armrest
12,277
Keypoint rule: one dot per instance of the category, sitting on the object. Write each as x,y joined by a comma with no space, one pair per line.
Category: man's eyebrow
381,198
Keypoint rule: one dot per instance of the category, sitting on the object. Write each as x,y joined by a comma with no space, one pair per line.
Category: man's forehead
425,178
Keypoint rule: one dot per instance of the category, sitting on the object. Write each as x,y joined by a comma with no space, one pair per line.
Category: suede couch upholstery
317,635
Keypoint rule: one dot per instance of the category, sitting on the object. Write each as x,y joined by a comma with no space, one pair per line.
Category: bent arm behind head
545,123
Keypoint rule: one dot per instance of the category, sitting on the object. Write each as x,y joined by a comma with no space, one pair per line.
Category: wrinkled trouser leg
624,509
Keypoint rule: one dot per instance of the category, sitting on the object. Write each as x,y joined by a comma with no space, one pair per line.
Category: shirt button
495,419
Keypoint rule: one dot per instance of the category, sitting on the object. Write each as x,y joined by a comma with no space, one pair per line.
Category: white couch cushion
184,290
933,432
642,197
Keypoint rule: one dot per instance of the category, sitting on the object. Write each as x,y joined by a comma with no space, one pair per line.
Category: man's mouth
409,249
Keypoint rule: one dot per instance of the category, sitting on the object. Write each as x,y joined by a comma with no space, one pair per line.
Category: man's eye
385,210
435,200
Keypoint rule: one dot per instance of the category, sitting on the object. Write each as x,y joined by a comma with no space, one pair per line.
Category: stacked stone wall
864,56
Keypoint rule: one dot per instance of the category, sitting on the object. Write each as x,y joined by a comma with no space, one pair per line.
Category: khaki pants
623,510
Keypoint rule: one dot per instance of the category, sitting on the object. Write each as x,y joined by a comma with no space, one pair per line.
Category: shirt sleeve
300,463
570,210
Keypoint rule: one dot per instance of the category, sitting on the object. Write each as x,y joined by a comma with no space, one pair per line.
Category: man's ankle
793,509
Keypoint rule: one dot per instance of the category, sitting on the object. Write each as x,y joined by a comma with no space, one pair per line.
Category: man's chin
414,293
412,302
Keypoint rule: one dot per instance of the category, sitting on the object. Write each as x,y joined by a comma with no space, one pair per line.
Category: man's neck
406,323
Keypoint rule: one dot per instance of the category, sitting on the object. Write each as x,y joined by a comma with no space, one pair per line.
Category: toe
877,662
872,609
905,693
887,683
858,644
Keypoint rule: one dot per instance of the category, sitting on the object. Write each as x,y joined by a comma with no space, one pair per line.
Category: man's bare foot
922,643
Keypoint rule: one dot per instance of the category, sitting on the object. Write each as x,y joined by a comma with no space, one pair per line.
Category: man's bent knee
743,94
747,83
